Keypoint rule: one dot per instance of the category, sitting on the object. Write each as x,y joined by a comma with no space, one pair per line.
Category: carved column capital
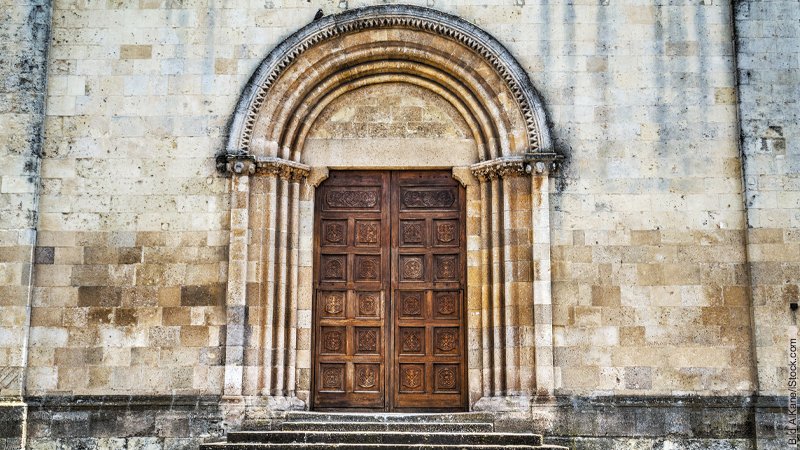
282,168
515,165
240,163
500,167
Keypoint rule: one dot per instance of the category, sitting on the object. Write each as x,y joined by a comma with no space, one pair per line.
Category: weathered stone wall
768,54
133,216
651,292
650,281
23,50
24,27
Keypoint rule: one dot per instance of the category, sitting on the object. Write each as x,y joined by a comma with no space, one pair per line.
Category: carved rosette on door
389,316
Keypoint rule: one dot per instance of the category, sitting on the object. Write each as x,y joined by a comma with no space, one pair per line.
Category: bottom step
299,445
384,437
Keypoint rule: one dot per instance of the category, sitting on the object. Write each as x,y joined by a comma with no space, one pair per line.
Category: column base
504,404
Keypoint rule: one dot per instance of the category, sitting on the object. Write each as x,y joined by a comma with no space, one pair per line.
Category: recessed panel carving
445,268
412,233
446,305
412,268
367,377
446,378
343,198
334,232
411,304
446,233
332,304
333,340
333,268
368,304
445,341
412,378
411,340
368,233
331,377
428,198
367,268
367,340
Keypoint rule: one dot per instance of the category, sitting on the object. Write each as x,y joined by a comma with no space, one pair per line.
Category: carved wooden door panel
352,281
389,309
428,280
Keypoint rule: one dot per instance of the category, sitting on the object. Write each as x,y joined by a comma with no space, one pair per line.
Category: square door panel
367,233
332,304
411,341
334,232
412,233
367,377
446,233
446,341
412,268
367,340
446,268
446,378
367,268
333,268
412,378
333,340
368,305
447,305
331,377
411,304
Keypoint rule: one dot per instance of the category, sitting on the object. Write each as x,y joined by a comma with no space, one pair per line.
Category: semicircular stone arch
490,127
382,36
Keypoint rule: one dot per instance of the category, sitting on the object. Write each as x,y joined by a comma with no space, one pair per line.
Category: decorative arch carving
412,44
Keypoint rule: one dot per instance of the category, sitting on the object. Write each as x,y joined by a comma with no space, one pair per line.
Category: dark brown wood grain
389,312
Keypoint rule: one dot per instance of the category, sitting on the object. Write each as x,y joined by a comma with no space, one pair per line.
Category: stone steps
419,427
385,437
457,417
338,446
384,431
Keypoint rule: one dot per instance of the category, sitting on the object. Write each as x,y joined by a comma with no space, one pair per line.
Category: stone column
515,311
279,285
542,282
240,168
262,295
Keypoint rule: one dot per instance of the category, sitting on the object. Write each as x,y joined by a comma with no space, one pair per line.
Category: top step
462,417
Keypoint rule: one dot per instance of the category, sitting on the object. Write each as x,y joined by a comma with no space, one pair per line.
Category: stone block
210,295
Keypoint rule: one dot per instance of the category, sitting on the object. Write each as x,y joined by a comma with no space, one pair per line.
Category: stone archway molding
286,54
269,289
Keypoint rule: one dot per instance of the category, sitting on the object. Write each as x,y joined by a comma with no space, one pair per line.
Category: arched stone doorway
476,114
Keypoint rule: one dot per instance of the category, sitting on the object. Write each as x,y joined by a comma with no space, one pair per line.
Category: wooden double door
389,304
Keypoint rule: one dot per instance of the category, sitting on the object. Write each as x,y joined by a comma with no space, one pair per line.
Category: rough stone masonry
672,239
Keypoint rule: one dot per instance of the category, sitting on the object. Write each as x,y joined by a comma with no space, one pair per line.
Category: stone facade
24,39
769,110
156,263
